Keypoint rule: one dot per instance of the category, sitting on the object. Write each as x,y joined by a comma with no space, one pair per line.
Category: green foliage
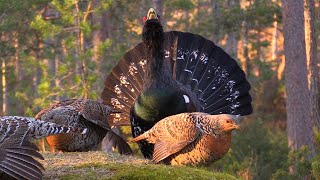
315,163
262,14
300,164
231,19
315,166
256,152
48,30
104,46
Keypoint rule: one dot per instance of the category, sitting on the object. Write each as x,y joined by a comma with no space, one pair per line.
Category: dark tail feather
19,163
146,148
119,143
124,84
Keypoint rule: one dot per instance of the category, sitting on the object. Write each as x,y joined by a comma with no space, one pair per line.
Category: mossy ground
97,165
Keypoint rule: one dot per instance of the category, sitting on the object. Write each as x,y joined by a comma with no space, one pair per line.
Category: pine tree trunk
312,65
215,7
18,71
274,44
232,42
18,106
80,62
102,33
299,122
4,87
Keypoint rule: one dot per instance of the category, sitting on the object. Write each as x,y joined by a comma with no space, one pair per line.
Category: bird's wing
13,131
96,113
173,135
53,106
18,161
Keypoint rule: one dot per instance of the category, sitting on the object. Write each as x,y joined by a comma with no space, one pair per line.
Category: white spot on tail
186,99
84,131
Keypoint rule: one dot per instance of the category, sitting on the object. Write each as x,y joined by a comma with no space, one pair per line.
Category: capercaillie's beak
236,126
152,14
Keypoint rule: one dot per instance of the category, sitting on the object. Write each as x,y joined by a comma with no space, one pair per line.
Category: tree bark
274,44
232,41
299,122
102,33
17,61
81,63
4,87
312,61
215,7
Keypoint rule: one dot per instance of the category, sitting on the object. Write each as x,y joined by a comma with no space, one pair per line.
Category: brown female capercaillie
190,138
83,113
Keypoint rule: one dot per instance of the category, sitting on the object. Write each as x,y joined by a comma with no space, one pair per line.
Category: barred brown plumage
17,153
190,138
84,113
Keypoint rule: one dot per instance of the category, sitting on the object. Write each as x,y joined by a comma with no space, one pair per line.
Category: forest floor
98,165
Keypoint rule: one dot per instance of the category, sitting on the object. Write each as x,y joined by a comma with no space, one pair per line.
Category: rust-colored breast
206,149
59,142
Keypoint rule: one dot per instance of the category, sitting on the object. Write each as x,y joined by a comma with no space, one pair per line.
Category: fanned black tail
212,79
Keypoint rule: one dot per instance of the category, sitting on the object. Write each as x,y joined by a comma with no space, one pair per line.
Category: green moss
97,165
141,172
164,172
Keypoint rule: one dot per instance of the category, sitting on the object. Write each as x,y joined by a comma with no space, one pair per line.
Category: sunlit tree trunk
18,71
299,122
274,44
4,95
312,61
4,87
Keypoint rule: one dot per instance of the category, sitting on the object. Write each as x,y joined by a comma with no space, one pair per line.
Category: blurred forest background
57,49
